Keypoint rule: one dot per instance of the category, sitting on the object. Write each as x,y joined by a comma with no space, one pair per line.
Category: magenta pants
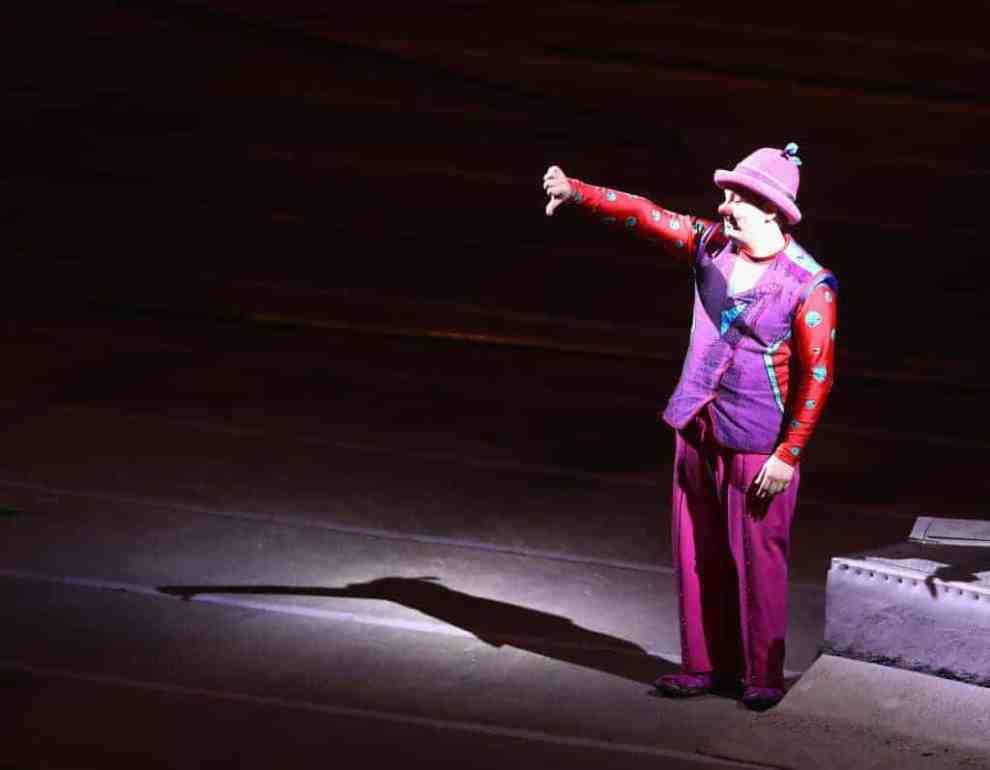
730,557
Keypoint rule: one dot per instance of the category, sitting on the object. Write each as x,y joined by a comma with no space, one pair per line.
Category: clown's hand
558,187
772,479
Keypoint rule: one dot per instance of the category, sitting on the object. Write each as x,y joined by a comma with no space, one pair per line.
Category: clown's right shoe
762,698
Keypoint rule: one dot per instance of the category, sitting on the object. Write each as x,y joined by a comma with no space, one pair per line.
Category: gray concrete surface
922,607
353,572
384,591
848,713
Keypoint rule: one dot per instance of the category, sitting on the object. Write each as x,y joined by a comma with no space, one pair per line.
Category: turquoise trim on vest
805,261
771,372
801,258
730,315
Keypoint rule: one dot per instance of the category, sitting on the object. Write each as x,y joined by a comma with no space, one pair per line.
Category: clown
756,375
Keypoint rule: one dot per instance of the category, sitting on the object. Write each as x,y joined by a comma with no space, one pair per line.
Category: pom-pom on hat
770,173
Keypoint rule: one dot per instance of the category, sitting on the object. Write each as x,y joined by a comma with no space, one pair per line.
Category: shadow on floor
958,573
493,622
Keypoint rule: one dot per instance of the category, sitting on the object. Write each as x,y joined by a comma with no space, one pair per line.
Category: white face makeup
751,223
742,218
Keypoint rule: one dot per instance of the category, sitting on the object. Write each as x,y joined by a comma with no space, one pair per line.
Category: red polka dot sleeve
813,334
678,234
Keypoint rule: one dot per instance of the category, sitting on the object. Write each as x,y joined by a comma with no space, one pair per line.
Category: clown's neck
764,246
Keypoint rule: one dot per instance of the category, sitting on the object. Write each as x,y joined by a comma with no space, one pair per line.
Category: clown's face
746,218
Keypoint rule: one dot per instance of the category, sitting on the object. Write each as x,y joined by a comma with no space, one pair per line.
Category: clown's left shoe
685,685
761,698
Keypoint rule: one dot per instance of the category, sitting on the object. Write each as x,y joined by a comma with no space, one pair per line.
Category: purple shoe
684,685
761,698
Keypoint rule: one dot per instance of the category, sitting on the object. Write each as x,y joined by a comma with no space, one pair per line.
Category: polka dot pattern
813,335
675,233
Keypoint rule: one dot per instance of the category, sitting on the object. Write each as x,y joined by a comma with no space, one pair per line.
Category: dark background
395,152
377,167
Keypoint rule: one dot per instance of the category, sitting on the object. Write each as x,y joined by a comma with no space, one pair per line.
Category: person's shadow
493,622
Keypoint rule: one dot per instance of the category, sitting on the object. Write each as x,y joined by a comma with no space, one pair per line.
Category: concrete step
850,714
919,606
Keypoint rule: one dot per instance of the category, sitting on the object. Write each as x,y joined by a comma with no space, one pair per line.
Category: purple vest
729,361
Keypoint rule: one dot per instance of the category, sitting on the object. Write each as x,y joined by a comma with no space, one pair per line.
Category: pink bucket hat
770,173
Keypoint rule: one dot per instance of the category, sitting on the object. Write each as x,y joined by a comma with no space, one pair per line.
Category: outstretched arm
677,233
